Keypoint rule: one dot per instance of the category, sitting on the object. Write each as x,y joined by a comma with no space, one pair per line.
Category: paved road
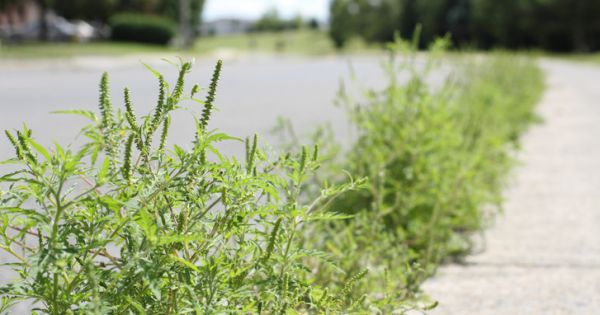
254,91
543,255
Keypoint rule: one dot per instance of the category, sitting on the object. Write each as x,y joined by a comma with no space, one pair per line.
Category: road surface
254,91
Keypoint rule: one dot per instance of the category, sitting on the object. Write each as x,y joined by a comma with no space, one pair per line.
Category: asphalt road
253,93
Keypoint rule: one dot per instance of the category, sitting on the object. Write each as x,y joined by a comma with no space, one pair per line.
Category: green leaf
217,137
27,212
9,177
186,263
59,151
84,113
104,170
329,216
431,306
154,72
38,147
11,161
179,151
138,307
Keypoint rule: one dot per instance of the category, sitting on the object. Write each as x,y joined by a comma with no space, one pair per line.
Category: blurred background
283,58
316,26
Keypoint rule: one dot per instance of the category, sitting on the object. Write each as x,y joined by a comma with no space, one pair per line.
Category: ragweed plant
436,157
126,225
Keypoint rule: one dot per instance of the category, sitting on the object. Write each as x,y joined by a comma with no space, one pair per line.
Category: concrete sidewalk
543,254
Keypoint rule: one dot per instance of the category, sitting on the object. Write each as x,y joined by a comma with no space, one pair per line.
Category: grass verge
302,42
70,50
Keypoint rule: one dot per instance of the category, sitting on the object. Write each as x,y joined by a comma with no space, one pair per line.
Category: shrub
142,28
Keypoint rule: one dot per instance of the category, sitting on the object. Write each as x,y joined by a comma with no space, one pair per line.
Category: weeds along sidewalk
543,254
125,224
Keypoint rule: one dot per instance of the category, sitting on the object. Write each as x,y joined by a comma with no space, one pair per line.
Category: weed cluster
125,225
436,159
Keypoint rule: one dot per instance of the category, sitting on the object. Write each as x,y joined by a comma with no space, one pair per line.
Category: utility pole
185,22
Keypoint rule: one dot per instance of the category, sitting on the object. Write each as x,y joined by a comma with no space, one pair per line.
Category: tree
5,5
560,25
97,10
340,28
313,24
171,9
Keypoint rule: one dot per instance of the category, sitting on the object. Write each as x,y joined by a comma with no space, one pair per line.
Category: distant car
84,31
59,29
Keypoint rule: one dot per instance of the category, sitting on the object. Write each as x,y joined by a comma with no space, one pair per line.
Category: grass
304,42
296,42
590,57
69,50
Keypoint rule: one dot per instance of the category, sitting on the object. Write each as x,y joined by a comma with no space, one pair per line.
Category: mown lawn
591,57
68,50
296,42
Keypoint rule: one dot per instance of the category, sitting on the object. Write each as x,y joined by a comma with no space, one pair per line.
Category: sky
253,9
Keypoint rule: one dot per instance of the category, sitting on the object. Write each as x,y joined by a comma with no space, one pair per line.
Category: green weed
436,159
125,226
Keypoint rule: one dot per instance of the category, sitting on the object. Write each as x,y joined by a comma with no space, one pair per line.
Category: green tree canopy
101,10
559,25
